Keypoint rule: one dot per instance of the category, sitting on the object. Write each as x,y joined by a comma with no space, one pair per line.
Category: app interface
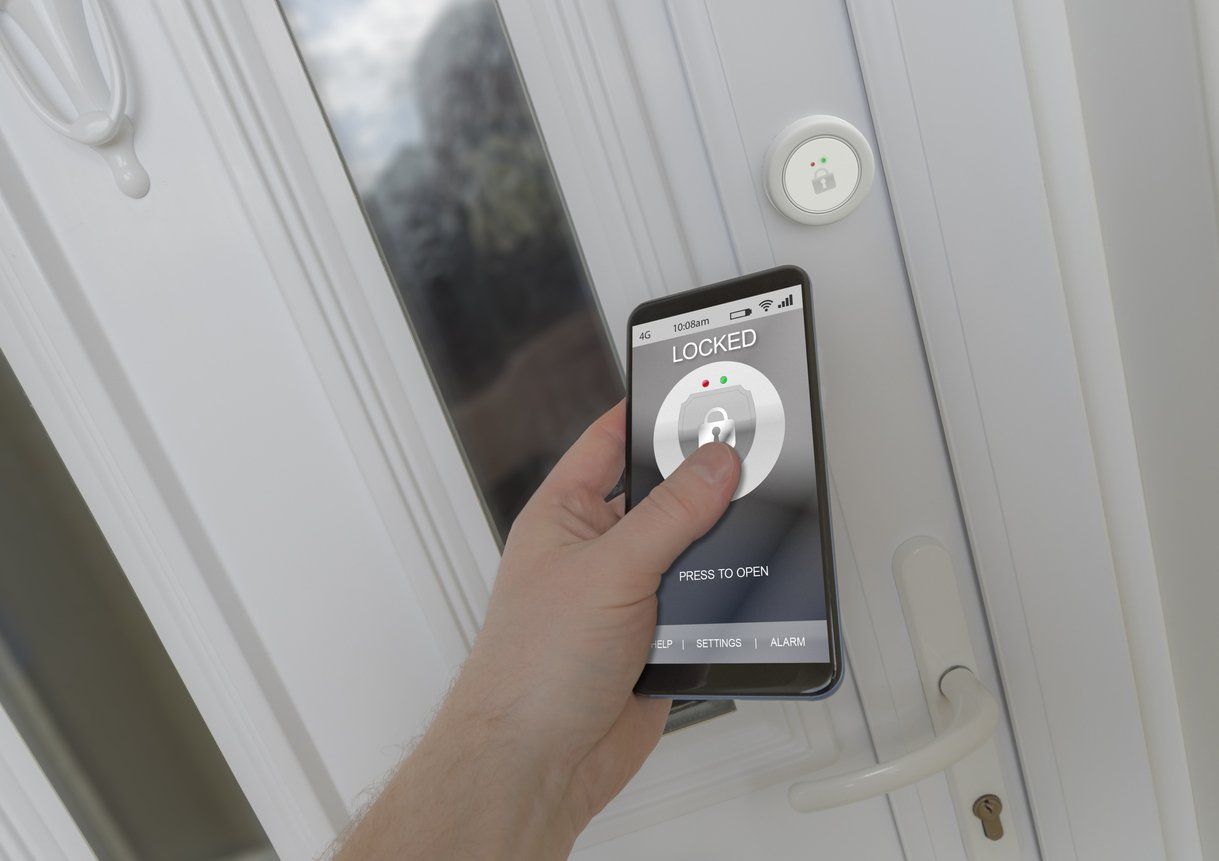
752,589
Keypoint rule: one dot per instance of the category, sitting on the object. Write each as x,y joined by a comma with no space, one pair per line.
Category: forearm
542,729
470,789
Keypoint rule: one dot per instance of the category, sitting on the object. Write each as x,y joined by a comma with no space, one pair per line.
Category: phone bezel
749,681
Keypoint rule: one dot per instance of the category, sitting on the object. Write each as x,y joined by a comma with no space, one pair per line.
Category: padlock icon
722,429
823,180
699,410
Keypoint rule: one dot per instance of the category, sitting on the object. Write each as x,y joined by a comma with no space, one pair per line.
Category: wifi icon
766,303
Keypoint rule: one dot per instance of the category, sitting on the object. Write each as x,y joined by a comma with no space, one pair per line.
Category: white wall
1144,108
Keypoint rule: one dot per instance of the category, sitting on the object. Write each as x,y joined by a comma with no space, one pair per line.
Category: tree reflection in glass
429,112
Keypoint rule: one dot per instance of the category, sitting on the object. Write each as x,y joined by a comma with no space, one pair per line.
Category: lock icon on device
722,429
823,180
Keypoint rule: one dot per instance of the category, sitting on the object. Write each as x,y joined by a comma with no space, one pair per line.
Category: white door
714,84
311,482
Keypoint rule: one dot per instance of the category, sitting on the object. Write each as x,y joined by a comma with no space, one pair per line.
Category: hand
574,608
542,729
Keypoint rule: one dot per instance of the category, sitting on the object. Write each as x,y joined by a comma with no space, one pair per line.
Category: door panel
711,85
762,826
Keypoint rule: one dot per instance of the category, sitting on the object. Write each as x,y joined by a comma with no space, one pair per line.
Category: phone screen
753,590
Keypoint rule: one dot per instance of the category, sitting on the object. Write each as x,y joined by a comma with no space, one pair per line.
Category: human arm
541,728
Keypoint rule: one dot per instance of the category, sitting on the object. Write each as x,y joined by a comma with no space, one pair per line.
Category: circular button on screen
821,174
744,410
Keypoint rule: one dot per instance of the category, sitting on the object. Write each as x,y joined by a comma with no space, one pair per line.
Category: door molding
71,378
1057,110
969,200
434,536
265,121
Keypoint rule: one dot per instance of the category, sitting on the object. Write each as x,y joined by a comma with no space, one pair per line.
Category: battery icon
739,313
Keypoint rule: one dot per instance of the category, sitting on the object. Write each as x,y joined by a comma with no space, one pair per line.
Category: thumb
677,512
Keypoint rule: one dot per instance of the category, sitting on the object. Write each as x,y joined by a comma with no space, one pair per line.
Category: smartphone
749,611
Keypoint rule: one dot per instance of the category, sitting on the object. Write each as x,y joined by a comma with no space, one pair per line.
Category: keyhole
715,434
987,808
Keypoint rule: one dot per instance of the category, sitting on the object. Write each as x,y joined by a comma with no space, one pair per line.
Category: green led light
823,159
723,380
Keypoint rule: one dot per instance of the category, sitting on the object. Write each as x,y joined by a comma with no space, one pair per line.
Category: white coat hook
58,30
964,713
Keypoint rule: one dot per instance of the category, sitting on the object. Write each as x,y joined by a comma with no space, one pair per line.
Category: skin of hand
541,728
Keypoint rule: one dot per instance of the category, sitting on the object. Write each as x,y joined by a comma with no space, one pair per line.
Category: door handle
57,28
964,713
975,714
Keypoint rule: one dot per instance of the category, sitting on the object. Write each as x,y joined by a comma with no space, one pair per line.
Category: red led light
706,383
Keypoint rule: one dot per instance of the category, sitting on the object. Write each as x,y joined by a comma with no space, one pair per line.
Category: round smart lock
819,169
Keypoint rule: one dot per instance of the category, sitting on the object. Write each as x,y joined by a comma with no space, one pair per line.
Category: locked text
710,346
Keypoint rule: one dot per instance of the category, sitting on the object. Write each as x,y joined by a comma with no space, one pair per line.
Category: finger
677,512
595,461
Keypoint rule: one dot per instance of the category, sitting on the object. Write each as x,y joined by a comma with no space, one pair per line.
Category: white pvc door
294,508
693,95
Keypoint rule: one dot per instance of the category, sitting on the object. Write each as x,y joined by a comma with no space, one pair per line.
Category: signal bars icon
788,301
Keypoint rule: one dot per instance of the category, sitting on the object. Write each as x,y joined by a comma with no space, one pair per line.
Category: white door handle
964,713
975,714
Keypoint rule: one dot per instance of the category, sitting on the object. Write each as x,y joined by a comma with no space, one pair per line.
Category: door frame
1072,694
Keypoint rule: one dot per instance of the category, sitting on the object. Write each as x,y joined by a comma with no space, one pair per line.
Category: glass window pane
425,102
86,681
